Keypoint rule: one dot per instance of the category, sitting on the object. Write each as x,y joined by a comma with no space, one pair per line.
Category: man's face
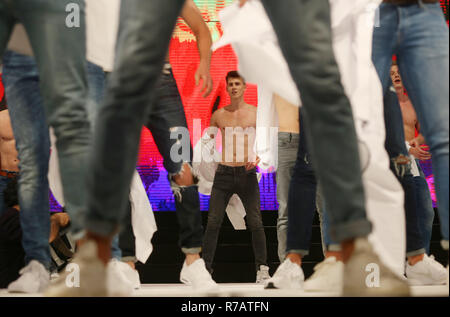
395,76
235,87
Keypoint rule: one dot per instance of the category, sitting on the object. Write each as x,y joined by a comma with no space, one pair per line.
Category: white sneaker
263,274
426,272
197,276
328,276
288,276
355,282
34,279
122,280
85,275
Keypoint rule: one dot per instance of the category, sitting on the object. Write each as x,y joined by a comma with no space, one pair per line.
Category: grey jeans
287,156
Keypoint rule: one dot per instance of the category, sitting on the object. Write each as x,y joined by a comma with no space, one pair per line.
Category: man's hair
10,194
234,74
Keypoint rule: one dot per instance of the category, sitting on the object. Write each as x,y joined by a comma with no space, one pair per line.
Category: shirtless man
236,174
9,163
420,269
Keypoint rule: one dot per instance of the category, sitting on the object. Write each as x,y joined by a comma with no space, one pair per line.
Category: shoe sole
416,282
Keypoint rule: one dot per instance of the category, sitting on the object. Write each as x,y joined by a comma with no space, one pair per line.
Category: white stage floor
244,290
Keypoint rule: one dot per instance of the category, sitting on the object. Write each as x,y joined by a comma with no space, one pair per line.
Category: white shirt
102,23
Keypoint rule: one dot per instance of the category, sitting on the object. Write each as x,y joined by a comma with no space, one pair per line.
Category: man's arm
193,17
415,148
213,126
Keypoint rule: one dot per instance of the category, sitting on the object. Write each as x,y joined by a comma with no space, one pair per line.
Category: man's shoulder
218,112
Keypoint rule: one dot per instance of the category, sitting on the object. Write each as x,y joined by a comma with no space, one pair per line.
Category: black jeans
303,28
302,200
395,146
228,181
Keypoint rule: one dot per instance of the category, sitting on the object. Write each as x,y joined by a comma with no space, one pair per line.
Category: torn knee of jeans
176,188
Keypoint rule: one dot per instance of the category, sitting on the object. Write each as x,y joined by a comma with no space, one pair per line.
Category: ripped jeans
167,122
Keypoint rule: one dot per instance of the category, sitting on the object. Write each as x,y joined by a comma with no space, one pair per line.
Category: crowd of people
354,90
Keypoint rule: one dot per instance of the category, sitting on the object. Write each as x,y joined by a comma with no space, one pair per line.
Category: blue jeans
30,128
144,36
304,33
302,199
418,35
425,211
60,55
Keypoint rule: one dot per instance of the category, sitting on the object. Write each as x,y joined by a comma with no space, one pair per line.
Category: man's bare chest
232,120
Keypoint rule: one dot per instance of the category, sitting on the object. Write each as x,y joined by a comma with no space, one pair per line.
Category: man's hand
203,74
418,153
57,221
251,165
242,2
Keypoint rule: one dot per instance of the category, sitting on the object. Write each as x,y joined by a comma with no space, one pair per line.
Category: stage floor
244,290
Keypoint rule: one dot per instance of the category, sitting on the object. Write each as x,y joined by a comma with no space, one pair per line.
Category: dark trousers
302,200
395,146
228,181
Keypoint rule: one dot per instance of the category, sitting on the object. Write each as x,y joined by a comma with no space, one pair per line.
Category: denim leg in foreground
287,156
167,123
302,199
60,56
30,128
425,71
418,35
304,34
425,210
144,35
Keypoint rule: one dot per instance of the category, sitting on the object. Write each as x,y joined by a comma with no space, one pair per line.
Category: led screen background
184,59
